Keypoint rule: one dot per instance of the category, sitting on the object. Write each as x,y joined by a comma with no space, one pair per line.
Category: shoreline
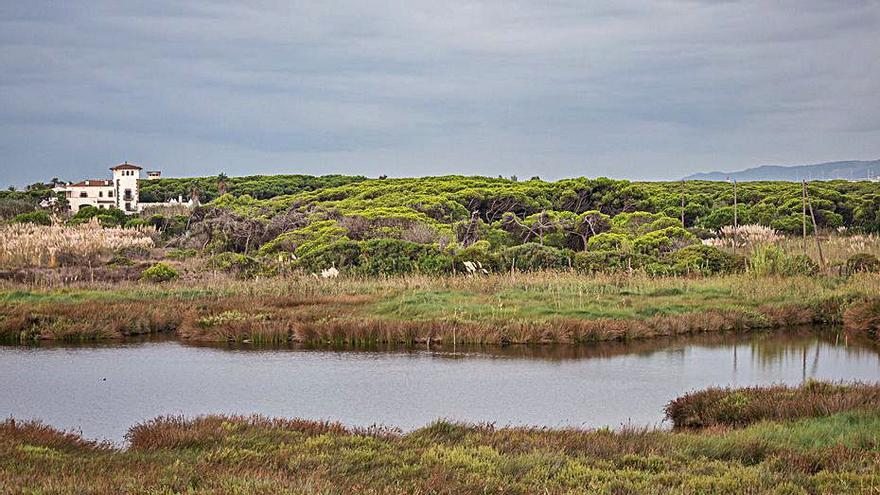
538,309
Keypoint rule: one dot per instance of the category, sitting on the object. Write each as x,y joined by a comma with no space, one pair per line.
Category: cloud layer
560,88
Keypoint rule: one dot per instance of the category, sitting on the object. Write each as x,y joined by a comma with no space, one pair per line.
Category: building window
127,206
109,194
83,194
100,194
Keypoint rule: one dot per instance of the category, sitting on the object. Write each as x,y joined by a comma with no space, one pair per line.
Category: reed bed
863,318
537,309
28,245
829,453
739,407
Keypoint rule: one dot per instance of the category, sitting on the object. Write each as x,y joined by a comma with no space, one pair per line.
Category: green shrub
663,241
301,241
160,272
38,217
435,264
610,261
108,221
342,253
862,262
533,256
107,217
135,222
479,252
697,258
608,241
239,265
391,256
772,260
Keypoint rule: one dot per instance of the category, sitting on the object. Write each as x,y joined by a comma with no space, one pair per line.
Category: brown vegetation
740,407
863,318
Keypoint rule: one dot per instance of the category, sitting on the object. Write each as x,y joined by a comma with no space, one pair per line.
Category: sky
620,88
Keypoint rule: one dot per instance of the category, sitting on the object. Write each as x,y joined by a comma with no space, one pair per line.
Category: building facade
121,192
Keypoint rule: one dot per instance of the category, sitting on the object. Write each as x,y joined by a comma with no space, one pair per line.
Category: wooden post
804,213
682,203
735,218
815,228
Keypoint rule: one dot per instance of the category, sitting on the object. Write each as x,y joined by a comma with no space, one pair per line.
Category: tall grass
739,407
829,453
28,245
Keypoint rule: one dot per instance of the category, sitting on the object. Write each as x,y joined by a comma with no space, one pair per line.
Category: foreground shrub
160,272
533,256
863,318
740,407
391,256
663,241
772,260
862,262
699,258
38,217
343,253
610,261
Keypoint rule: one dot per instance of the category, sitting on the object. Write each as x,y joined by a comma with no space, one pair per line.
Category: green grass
835,454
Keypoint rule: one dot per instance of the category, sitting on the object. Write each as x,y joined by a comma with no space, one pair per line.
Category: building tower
125,186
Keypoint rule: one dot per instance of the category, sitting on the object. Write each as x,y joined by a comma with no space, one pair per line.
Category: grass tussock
738,407
863,318
835,452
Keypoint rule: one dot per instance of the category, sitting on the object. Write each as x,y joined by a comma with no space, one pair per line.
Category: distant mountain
851,170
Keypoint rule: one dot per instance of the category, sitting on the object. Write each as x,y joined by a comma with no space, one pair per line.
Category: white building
121,192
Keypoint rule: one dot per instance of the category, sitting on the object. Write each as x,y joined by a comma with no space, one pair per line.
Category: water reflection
104,389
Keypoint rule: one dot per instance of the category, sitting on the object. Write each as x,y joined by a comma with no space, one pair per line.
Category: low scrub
863,318
743,406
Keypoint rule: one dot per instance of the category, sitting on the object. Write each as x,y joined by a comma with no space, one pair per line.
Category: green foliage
38,217
666,240
301,241
706,260
610,261
240,265
772,260
342,253
393,256
160,272
608,242
110,217
533,256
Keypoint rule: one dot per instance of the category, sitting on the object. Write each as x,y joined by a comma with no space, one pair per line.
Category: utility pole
815,228
804,212
735,218
682,203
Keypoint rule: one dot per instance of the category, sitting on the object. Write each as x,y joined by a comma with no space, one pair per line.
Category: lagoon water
102,390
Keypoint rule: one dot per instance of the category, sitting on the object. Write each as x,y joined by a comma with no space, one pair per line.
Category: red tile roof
126,166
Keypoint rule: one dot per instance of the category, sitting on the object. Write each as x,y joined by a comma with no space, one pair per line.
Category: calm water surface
103,390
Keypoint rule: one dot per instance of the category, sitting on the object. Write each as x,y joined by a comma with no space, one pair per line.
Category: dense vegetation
824,451
436,224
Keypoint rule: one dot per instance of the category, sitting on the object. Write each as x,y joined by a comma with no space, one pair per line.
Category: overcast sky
645,90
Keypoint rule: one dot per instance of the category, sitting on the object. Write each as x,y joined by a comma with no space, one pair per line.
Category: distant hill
851,170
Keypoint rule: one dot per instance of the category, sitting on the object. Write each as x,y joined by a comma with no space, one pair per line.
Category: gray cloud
560,88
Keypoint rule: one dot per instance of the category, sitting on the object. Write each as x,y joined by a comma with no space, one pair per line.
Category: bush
663,241
239,265
608,242
35,217
533,256
110,217
435,264
862,262
391,256
160,272
706,260
610,261
478,252
863,318
772,260
343,253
